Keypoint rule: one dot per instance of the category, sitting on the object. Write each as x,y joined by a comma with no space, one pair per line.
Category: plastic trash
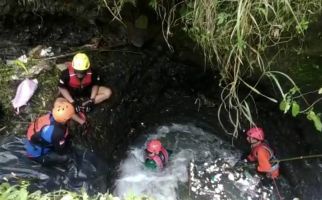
24,92
46,52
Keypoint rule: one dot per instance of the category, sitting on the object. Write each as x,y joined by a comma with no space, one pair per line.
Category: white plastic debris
46,52
24,92
23,58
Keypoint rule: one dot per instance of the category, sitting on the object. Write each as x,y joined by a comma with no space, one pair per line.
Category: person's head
153,146
80,64
63,111
255,135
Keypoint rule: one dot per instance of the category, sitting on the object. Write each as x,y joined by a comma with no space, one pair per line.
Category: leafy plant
16,192
20,192
290,100
234,36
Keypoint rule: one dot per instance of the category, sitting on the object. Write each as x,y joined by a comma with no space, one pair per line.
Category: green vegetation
241,38
10,77
6,73
236,36
20,192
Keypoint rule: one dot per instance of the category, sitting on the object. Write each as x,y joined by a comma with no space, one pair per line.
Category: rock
3,2
137,32
141,22
35,52
61,66
39,67
46,52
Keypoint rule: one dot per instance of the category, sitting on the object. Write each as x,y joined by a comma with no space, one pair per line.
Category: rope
278,192
299,158
189,179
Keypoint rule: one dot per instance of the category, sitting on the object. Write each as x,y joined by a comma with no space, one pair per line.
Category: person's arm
63,85
251,158
96,81
66,94
94,92
58,139
263,160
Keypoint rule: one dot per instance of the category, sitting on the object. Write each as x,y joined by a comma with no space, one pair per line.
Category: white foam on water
197,155
136,179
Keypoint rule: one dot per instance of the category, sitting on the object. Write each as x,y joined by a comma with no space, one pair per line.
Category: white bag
24,92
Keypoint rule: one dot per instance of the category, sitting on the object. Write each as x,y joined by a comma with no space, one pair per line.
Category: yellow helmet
63,111
80,62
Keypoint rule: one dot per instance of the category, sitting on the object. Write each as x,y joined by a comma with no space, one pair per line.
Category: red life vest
254,154
36,126
75,82
161,160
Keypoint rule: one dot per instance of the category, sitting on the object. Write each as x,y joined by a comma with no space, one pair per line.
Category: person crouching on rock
47,136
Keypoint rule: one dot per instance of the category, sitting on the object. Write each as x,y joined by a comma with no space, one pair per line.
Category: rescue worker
262,153
47,136
156,156
79,84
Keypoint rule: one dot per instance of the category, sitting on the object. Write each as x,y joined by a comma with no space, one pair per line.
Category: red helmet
256,133
154,146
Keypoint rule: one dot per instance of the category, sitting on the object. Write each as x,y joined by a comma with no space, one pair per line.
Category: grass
40,102
235,36
20,192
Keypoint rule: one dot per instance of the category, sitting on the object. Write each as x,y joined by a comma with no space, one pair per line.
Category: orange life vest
36,126
273,172
75,82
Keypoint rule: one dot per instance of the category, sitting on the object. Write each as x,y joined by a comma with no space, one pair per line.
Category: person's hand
77,106
241,164
244,155
89,105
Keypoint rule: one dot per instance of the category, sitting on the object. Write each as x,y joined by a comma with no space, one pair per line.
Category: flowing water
201,167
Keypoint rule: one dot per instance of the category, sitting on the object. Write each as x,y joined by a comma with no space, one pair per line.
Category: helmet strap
257,142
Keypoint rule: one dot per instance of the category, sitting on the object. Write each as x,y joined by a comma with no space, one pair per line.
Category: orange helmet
256,133
154,146
63,111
